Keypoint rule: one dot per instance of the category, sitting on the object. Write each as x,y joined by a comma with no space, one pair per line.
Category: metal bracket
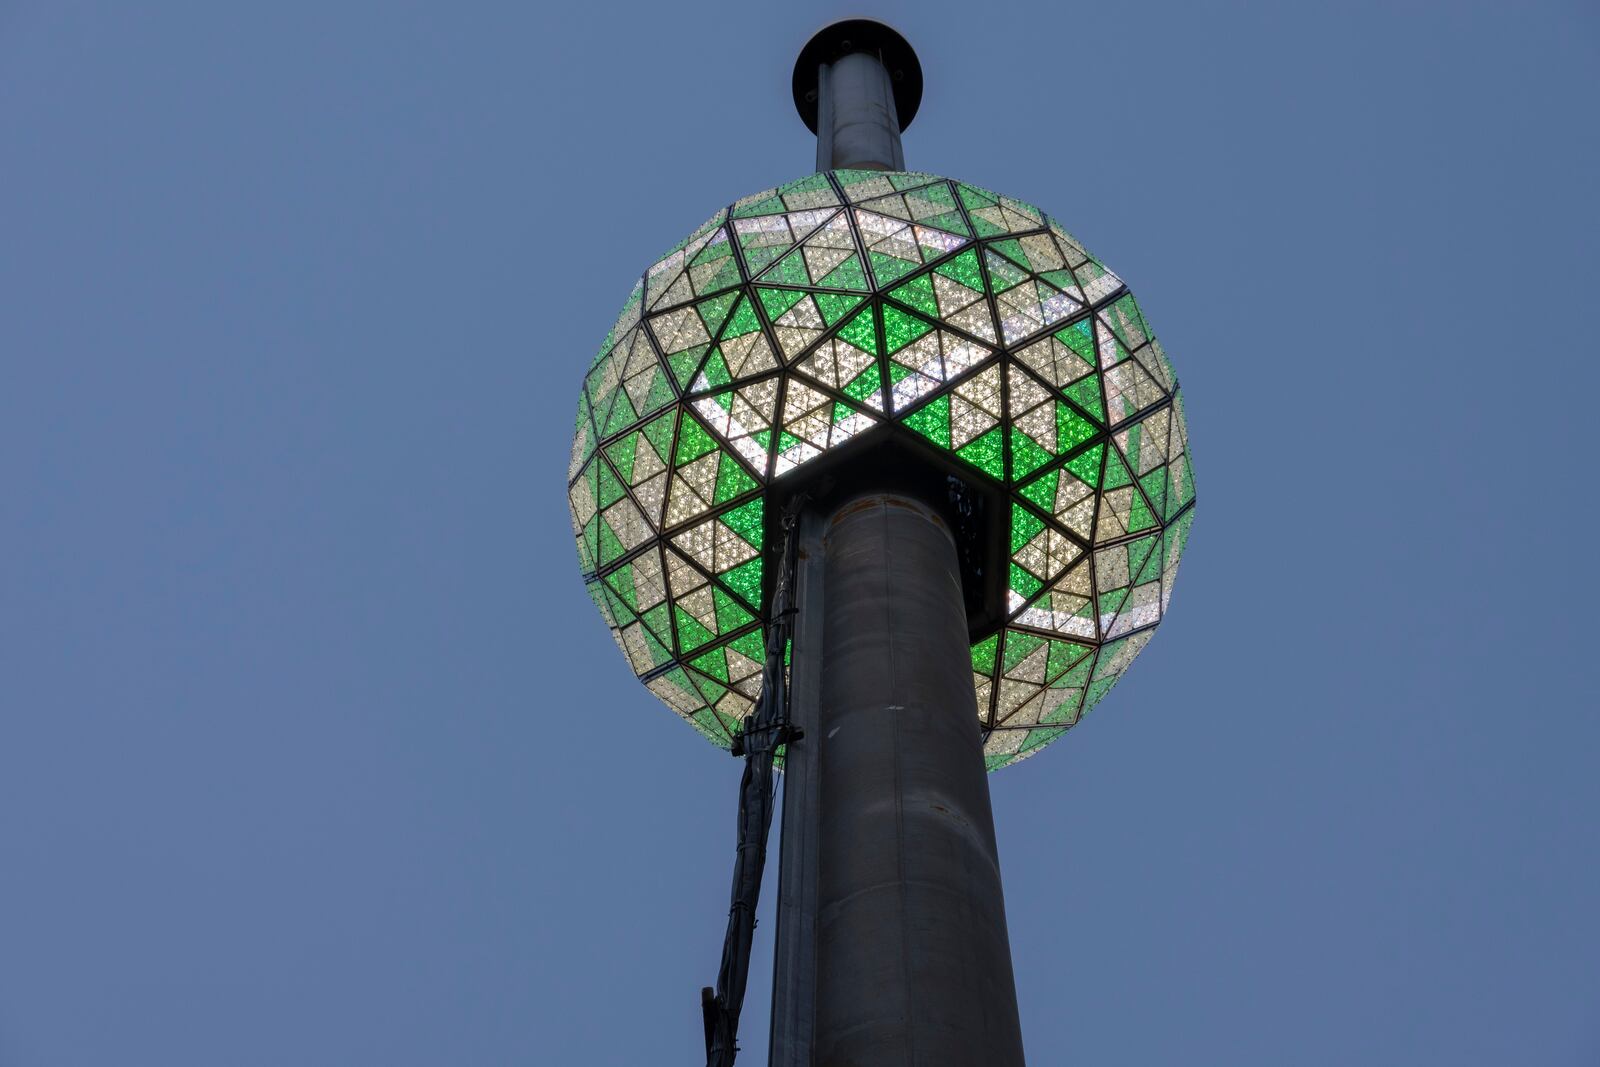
769,737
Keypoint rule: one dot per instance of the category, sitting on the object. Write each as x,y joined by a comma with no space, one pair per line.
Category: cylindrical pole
857,86
858,126
912,960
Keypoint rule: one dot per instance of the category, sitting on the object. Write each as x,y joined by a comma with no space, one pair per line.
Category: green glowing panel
702,264
765,239
1040,681
983,654
848,362
742,418
826,259
1042,426
896,247
851,307
745,579
812,423
922,366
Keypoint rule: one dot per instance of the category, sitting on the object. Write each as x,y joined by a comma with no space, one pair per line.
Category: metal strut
763,733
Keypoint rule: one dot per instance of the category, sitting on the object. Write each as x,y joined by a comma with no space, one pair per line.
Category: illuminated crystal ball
839,308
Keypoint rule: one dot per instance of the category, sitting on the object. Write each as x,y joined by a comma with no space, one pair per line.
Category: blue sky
314,752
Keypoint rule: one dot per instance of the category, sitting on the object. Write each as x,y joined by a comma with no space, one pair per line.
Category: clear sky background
313,751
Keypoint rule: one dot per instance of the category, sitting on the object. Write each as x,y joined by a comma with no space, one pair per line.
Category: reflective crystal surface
855,303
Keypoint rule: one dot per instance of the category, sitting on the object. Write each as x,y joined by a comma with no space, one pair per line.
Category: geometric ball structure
853,306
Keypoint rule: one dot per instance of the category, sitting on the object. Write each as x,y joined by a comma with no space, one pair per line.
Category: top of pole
849,36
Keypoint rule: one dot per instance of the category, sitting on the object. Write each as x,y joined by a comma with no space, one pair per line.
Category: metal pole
857,84
859,127
824,118
910,962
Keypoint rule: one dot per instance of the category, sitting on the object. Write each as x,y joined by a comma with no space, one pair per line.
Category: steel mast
892,945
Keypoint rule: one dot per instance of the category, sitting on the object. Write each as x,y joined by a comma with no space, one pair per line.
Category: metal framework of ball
815,318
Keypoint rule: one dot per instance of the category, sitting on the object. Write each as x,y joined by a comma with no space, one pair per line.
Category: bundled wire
765,731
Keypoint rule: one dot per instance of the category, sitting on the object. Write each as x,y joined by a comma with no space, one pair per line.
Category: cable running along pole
764,732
